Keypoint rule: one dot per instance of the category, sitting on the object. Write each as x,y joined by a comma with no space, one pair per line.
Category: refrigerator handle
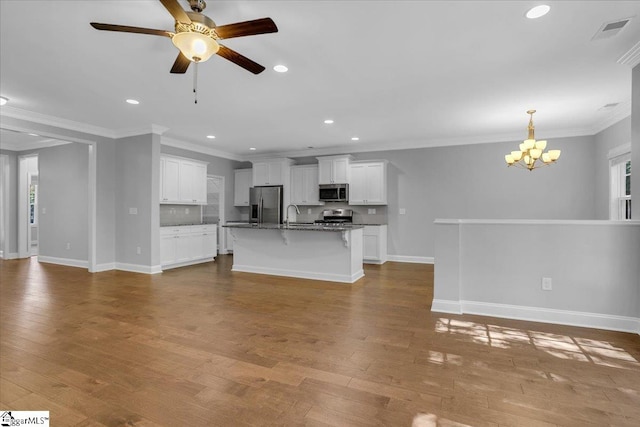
260,206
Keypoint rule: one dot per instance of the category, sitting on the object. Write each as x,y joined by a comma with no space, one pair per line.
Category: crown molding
144,130
16,146
619,112
43,119
171,142
631,57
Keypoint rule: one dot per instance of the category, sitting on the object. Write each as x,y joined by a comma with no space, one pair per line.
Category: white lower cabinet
186,245
375,244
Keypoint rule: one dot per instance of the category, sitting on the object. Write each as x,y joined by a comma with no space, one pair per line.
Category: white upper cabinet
271,172
368,184
304,185
242,184
334,169
182,181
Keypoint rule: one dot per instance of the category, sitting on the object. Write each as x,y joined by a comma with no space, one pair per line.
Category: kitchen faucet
297,211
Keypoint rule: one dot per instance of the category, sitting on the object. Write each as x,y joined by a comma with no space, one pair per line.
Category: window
620,208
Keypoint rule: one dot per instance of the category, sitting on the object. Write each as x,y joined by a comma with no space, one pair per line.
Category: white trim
46,143
93,206
343,278
4,197
136,268
411,259
11,255
187,263
145,130
200,149
43,119
539,314
617,113
445,306
104,267
631,57
63,261
533,222
620,150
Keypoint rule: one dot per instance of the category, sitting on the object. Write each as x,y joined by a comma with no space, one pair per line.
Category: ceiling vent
610,29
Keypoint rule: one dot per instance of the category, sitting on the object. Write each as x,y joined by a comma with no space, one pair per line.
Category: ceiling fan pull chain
195,83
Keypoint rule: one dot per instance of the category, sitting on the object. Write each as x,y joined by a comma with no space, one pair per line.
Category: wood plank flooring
202,346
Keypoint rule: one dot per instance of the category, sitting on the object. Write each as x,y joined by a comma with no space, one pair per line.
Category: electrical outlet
547,284
138,250
68,246
309,211
133,211
44,211
186,211
403,211
371,211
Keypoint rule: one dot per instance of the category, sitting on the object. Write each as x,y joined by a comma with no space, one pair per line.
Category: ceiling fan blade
247,28
176,11
240,60
127,29
181,64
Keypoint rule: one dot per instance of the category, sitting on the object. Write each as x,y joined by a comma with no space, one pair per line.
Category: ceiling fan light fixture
194,46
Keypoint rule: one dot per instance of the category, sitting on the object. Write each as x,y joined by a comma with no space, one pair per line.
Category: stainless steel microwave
334,192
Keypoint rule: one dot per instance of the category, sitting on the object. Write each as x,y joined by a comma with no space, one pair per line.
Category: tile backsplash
361,214
180,215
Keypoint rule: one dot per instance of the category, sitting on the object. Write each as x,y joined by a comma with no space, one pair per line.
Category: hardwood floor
202,346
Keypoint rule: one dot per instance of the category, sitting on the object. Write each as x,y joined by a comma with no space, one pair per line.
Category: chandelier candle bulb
531,151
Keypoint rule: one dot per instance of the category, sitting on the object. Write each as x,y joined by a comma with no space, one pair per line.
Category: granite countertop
295,227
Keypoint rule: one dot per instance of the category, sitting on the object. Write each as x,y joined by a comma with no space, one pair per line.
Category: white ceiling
396,74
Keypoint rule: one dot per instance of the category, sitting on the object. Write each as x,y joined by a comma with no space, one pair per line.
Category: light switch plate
133,211
547,284
403,211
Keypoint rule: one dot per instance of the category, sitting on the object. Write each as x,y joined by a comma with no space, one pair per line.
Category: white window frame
618,158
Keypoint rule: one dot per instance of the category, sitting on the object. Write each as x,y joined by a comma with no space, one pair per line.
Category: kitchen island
308,251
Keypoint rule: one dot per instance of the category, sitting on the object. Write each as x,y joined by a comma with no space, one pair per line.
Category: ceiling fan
196,35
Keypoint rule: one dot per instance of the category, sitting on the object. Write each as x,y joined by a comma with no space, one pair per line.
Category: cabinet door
375,180
260,174
168,249
370,247
200,184
325,171
183,248
242,184
297,185
358,185
341,171
311,195
275,174
170,178
209,244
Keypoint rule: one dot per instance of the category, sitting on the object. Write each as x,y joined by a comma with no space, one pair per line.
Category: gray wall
472,181
137,160
612,137
63,192
106,204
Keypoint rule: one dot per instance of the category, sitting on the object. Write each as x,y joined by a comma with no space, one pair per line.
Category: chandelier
531,154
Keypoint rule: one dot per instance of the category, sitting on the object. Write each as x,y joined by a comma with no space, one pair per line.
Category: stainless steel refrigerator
266,204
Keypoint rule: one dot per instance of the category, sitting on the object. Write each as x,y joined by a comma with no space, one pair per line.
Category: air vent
610,29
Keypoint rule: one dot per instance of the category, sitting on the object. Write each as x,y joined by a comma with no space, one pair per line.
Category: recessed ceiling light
538,11
328,121
33,134
280,68
252,149
133,101
211,136
3,100
355,138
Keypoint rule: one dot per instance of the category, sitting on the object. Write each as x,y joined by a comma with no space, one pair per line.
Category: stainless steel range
336,217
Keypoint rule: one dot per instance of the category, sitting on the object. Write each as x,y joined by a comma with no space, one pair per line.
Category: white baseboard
329,277
10,255
64,261
105,267
411,259
537,314
136,268
186,263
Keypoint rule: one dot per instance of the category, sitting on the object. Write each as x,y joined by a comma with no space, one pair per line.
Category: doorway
27,205
213,211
